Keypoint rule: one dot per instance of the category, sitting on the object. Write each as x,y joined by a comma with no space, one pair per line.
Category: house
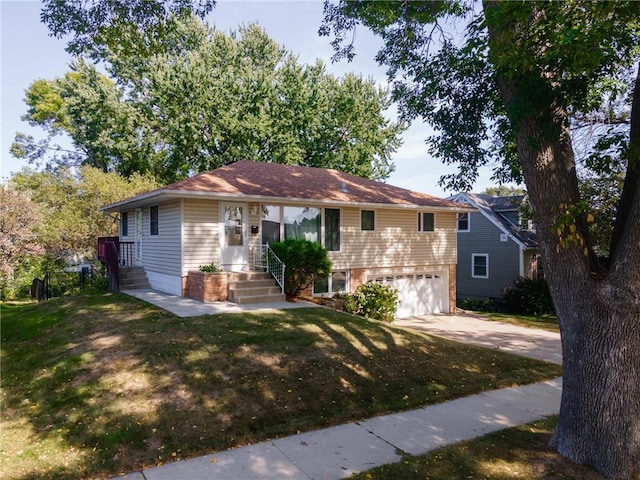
495,246
372,231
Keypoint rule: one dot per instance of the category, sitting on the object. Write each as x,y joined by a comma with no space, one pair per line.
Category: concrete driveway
469,328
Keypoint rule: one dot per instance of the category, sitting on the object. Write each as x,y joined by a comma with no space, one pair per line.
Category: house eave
164,195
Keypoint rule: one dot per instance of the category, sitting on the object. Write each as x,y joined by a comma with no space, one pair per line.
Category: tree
95,27
208,99
507,92
504,191
18,240
71,220
107,132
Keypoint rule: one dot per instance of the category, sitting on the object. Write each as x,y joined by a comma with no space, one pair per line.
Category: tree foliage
507,93
208,99
504,191
70,203
94,27
19,218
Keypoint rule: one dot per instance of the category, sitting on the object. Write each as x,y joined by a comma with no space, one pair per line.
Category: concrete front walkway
187,307
338,452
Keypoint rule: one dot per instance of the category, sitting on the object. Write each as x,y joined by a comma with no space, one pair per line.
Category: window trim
361,219
458,229
155,232
421,222
473,265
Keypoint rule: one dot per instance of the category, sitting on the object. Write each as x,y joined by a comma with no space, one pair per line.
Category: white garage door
419,294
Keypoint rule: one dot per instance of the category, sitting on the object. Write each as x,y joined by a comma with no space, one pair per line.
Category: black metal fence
63,282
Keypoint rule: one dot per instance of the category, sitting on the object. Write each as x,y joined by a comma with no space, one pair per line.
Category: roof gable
491,206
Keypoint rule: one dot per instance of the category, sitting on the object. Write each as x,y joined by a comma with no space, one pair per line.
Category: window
480,265
334,283
367,220
332,229
153,220
302,223
426,222
463,222
124,224
233,226
270,224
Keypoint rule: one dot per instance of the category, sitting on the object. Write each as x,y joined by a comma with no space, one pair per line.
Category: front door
233,236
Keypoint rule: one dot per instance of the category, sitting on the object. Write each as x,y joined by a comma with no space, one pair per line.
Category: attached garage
419,293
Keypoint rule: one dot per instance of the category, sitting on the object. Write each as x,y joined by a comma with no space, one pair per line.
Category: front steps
133,278
253,287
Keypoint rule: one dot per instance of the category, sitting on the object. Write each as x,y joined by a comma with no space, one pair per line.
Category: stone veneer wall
206,287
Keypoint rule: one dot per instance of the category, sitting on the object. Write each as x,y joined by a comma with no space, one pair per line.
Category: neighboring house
494,247
372,231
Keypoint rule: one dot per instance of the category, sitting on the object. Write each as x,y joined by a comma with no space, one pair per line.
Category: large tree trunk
598,308
599,315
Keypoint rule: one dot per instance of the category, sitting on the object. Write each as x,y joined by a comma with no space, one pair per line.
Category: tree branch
631,189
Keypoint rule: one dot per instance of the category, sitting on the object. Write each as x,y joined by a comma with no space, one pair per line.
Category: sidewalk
338,452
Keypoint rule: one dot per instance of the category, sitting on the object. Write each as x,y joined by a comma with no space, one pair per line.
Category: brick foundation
357,276
206,287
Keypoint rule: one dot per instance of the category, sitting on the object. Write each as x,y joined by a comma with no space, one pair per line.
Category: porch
263,282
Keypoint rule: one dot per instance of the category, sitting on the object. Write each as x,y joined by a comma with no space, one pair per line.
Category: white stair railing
265,258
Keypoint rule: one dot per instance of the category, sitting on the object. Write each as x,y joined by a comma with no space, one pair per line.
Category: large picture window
153,220
332,229
302,223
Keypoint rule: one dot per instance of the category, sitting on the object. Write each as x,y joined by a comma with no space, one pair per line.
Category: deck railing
127,254
264,258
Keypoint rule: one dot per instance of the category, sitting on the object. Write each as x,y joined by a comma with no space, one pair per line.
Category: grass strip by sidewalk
521,452
106,384
545,322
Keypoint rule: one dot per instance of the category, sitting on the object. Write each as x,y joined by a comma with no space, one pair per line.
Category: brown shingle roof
255,179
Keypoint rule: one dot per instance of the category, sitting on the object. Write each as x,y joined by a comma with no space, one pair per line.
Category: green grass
106,384
521,452
545,322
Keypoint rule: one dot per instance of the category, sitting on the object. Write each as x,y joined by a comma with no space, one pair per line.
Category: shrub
477,305
528,297
373,300
210,268
303,261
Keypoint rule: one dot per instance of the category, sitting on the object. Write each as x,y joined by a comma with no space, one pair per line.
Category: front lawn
544,322
521,452
106,384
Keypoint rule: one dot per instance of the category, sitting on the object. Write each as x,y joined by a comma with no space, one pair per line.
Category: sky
28,53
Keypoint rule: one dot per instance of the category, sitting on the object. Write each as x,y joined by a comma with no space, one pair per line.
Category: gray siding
504,260
161,253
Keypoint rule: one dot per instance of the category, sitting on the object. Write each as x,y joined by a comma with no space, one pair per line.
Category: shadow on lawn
124,385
